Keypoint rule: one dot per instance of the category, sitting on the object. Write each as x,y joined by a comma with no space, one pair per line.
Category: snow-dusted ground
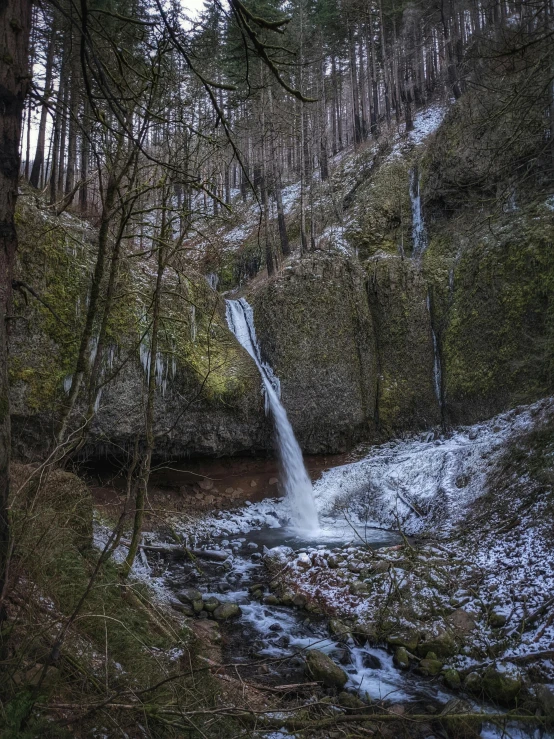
425,484
473,565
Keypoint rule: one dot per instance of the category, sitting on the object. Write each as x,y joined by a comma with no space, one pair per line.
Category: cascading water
419,233
297,484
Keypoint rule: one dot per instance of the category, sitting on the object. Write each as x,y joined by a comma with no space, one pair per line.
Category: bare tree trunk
38,162
277,186
144,477
15,24
355,90
63,134
72,136
85,154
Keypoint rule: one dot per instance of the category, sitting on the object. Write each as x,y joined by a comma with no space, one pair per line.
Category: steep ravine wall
351,342
208,399
316,330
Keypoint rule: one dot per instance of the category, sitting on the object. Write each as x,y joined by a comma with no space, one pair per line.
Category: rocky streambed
429,583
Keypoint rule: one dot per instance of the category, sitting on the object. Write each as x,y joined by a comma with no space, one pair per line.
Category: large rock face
408,392
208,399
316,331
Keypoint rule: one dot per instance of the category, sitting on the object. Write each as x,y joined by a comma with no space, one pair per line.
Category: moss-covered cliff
399,300
208,391
316,331
495,309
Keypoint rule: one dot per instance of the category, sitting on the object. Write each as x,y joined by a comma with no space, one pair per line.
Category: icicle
213,280
193,323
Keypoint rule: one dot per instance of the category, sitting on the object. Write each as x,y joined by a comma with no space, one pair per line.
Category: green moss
385,218
56,257
499,342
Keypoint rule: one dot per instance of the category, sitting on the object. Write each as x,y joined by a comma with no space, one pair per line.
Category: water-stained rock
322,668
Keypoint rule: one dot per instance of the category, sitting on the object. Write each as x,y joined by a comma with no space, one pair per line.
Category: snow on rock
426,122
423,483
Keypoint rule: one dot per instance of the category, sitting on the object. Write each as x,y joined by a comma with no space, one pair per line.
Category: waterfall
419,234
297,484
213,280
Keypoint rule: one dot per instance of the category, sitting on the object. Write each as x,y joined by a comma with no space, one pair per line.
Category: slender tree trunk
82,366
63,135
355,90
277,186
385,63
15,24
142,488
72,135
38,163
85,155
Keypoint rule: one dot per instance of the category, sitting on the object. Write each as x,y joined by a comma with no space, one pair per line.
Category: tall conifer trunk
15,23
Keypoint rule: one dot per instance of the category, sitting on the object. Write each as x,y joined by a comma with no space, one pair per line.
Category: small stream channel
270,639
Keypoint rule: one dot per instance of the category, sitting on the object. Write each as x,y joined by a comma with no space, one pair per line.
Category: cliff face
208,398
315,329
366,346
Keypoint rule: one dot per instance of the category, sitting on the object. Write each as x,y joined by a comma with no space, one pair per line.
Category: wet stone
227,611
323,669
371,661
210,604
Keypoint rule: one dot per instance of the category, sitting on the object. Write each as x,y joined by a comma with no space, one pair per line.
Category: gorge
276,369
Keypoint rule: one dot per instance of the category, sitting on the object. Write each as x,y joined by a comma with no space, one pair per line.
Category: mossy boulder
315,330
401,658
443,645
452,679
408,639
502,685
227,611
322,668
430,667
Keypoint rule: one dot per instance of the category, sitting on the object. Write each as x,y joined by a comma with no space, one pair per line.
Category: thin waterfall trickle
297,484
419,232
437,367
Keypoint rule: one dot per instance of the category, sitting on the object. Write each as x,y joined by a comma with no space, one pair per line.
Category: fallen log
214,555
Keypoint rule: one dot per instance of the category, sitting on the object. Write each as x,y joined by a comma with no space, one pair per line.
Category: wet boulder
191,597
401,658
501,684
429,667
408,639
211,603
443,645
322,668
452,679
227,611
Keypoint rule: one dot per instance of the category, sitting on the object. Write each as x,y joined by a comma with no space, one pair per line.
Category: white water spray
298,486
